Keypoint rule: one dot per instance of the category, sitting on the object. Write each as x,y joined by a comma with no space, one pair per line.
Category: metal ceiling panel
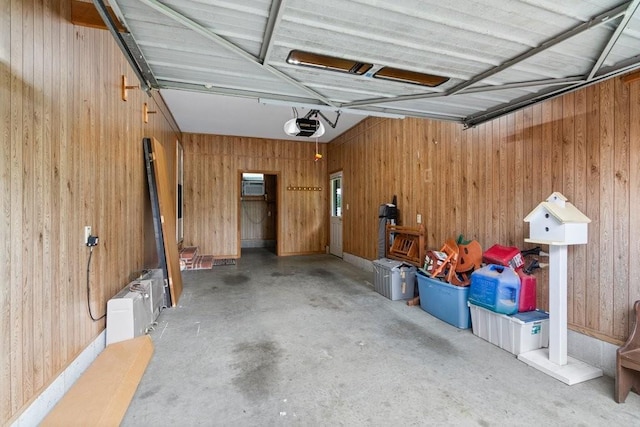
498,55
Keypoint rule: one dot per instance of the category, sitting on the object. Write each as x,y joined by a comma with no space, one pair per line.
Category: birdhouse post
557,223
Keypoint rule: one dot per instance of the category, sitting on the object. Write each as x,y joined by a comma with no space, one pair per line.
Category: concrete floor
307,341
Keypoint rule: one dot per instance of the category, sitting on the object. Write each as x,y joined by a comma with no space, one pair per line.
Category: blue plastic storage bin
444,301
495,288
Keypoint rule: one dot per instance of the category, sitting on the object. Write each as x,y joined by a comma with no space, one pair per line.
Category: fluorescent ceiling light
406,76
316,60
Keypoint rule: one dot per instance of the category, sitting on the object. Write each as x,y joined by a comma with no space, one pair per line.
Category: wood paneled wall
257,220
71,156
483,181
212,167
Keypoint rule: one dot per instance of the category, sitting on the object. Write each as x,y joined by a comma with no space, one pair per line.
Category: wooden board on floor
102,394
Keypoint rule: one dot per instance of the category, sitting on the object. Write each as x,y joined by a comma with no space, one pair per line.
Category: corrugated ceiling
498,55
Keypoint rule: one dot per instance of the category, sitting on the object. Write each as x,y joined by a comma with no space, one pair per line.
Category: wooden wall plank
621,210
40,168
579,284
486,139
557,159
506,179
592,294
472,168
518,172
566,161
606,214
18,97
29,225
6,270
49,165
66,133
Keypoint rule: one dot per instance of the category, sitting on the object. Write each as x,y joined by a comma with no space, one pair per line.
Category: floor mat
229,261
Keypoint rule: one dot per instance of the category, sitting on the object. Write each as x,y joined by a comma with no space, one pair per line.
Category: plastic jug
496,288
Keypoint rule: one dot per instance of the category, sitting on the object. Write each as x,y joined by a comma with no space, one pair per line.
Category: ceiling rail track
127,45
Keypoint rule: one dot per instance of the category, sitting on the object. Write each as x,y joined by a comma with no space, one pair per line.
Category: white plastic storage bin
519,333
394,279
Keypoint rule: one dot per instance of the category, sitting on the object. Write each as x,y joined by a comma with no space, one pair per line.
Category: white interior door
335,244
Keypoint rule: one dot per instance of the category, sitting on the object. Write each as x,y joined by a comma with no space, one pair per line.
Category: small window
413,77
298,57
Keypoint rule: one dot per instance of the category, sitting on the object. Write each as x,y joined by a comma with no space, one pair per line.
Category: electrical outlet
87,233
419,219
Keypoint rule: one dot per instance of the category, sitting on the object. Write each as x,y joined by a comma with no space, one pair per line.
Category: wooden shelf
409,244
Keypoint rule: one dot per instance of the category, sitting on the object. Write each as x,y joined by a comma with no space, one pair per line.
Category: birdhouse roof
556,195
565,214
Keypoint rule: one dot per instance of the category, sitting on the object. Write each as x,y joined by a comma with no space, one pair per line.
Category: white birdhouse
557,222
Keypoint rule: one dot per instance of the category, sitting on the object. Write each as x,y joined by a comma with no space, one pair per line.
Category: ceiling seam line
592,23
189,23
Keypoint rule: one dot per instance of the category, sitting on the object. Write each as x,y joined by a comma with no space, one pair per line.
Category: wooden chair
448,265
628,362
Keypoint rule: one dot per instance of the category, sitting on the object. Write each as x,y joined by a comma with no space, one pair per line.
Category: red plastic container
527,300
509,256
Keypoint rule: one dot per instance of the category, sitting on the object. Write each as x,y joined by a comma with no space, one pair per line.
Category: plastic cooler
444,301
527,301
394,279
496,288
517,334
509,256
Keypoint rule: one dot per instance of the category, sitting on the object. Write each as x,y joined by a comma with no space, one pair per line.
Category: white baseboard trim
362,263
592,351
44,403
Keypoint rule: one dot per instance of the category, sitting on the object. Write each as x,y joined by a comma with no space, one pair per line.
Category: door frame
332,176
239,208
